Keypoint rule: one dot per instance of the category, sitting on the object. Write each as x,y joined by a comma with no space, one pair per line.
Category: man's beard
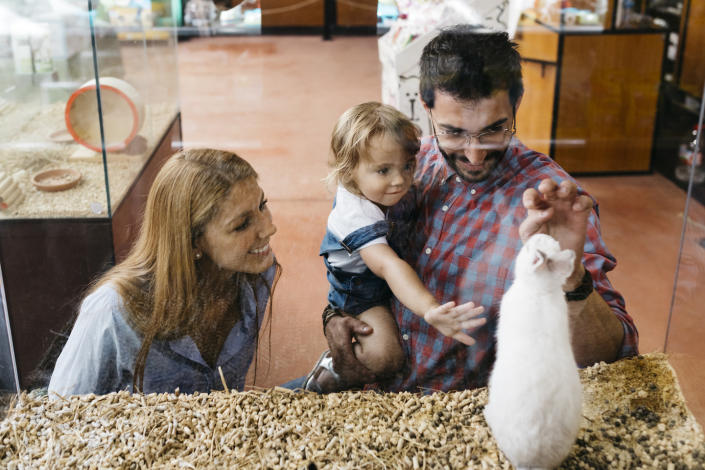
488,165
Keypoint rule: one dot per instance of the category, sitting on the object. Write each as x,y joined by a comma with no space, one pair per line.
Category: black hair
470,64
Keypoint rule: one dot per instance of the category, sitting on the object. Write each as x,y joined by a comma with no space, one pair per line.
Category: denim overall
353,293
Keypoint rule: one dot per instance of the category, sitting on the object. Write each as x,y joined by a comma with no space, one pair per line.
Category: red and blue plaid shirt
462,241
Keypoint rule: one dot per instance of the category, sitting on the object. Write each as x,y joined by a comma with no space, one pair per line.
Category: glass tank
601,104
88,111
67,147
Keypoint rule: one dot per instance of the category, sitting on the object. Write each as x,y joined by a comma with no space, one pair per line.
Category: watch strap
583,290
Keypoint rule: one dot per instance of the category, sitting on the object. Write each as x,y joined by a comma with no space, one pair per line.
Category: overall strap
364,235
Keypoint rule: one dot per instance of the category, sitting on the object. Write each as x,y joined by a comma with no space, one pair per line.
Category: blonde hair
159,280
354,131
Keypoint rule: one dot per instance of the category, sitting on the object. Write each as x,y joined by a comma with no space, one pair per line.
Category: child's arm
407,287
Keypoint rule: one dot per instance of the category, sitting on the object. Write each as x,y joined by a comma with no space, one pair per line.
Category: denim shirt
99,356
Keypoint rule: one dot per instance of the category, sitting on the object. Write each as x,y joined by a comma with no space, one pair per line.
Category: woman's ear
198,248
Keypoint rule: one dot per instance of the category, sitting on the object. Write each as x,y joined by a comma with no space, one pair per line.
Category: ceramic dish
59,179
61,137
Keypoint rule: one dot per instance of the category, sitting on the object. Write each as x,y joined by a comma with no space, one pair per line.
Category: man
479,194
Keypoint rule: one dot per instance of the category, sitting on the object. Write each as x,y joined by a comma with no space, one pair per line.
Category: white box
400,78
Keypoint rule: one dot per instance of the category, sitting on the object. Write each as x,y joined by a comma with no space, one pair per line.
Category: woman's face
237,238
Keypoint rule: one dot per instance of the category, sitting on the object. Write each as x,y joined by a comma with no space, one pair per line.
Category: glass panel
686,326
9,385
585,15
136,50
46,56
53,117
609,95
221,17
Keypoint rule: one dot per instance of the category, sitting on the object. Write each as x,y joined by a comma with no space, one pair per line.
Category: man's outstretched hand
557,210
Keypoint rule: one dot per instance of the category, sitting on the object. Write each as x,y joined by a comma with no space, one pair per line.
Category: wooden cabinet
692,57
590,98
297,13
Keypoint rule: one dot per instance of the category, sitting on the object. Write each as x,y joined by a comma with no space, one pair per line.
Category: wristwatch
583,290
328,313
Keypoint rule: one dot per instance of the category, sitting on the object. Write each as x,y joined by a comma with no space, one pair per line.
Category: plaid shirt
462,240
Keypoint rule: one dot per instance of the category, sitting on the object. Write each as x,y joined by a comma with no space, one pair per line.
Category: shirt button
473,191
405,337
444,208
457,178
428,251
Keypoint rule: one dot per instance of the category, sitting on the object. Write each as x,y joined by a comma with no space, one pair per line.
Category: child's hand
451,320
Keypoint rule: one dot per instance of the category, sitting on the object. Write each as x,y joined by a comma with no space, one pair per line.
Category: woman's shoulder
103,306
100,345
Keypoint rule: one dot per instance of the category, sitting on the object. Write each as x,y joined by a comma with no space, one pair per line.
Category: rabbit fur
535,397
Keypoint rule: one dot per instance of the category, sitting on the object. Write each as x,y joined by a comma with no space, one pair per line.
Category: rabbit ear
538,261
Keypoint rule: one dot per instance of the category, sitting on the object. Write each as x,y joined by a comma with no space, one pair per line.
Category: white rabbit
535,396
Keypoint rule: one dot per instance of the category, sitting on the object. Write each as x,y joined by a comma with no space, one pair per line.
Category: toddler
374,150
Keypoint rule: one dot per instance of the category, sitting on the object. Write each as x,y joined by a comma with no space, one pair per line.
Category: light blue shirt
99,356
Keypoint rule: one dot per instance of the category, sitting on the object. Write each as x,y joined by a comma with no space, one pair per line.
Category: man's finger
350,369
532,200
582,203
533,223
548,189
567,190
359,327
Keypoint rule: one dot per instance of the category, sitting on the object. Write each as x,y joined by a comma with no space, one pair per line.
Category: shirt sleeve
599,261
100,348
352,212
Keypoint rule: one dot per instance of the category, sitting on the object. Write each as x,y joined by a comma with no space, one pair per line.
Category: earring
198,255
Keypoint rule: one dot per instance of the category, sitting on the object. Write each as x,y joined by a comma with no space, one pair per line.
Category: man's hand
340,332
558,210
452,321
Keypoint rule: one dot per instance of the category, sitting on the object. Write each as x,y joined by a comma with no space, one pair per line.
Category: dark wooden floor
274,101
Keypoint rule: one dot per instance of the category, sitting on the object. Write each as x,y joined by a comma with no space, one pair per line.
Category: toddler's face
386,173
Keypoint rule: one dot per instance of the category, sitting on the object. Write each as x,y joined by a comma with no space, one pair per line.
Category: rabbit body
535,396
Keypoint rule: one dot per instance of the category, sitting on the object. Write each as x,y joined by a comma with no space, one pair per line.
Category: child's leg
381,351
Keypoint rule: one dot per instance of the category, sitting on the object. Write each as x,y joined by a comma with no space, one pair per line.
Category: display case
88,112
592,82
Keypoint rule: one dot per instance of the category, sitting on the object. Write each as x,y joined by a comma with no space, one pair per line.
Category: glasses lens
488,140
496,138
453,141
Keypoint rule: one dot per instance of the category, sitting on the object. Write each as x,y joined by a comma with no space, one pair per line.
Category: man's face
473,160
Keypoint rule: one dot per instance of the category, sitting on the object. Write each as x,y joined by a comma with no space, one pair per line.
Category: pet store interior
613,92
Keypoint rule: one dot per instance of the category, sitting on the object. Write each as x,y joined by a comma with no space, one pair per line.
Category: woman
190,297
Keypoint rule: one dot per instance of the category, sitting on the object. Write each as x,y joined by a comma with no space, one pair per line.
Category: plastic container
123,114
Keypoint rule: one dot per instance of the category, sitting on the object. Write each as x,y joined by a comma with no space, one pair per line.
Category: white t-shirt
350,213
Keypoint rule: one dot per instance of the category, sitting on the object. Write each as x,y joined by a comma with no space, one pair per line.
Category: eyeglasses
495,138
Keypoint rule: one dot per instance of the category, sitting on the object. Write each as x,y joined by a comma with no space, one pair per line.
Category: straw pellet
282,429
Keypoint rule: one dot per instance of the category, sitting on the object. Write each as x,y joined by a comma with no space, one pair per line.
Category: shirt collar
185,346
